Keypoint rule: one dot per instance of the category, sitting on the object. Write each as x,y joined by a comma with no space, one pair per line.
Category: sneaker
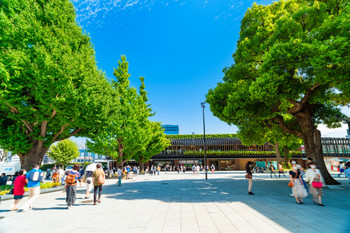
69,208
86,197
320,204
250,193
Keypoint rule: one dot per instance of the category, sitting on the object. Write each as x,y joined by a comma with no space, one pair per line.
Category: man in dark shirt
3,179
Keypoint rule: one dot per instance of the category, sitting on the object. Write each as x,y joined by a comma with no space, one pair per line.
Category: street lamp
205,144
193,146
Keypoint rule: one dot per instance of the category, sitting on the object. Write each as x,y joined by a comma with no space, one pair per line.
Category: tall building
171,129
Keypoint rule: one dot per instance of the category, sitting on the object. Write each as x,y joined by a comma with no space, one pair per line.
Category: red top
19,184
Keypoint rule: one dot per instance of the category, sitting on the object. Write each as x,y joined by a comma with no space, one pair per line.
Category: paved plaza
185,203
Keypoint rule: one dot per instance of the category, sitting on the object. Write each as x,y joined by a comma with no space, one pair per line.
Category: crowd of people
34,177
302,182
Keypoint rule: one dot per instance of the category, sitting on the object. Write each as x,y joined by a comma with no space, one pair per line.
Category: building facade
230,154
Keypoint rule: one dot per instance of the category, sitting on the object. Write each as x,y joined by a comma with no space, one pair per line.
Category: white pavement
185,203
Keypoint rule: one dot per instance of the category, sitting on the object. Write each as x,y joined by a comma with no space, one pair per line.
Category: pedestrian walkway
185,203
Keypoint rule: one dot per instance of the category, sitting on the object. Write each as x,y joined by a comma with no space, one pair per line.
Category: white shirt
119,172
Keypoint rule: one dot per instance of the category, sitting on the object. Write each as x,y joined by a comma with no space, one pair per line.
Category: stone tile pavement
188,204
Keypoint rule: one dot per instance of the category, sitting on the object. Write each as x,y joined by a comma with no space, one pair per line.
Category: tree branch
29,127
53,113
286,129
71,134
60,132
299,105
43,129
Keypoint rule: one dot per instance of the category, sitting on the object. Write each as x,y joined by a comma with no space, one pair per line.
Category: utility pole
193,146
205,144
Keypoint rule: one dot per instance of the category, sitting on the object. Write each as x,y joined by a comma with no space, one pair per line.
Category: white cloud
94,11
338,132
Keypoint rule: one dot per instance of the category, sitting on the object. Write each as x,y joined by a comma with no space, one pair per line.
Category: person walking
71,185
98,178
18,188
119,173
89,185
341,169
272,170
249,176
212,167
280,170
315,180
33,179
194,169
299,191
197,169
158,169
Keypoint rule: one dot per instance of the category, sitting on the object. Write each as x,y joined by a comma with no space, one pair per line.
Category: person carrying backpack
33,179
99,179
71,185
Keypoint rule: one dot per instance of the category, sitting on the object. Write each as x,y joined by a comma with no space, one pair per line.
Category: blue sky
180,47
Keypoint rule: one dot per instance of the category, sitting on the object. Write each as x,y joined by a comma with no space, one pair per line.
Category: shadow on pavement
272,199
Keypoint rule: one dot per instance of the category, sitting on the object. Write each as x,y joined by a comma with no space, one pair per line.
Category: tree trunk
286,156
33,156
278,154
142,166
313,145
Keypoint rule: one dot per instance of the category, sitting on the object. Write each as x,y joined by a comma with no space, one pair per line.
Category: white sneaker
69,208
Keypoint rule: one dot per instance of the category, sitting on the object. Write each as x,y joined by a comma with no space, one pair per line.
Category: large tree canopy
51,88
292,57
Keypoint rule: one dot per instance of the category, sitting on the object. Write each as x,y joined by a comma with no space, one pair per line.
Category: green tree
51,88
292,58
64,151
123,137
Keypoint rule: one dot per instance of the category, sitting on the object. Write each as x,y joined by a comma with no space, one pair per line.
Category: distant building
171,129
89,157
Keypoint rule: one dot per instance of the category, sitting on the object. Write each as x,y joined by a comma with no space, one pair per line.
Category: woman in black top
249,176
299,191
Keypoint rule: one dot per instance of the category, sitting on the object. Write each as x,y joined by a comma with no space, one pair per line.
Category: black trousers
99,192
71,194
281,172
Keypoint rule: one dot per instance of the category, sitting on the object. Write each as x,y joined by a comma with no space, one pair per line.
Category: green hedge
190,136
236,152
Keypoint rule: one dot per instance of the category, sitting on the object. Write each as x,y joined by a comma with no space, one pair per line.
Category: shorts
89,186
18,197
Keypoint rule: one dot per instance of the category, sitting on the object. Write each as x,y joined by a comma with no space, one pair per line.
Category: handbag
317,184
291,183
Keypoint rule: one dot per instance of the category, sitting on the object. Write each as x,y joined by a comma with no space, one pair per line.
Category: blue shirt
32,184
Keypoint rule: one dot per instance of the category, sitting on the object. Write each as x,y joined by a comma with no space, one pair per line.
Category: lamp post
193,146
205,144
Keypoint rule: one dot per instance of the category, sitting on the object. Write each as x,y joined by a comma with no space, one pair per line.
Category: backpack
35,176
101,179
70,178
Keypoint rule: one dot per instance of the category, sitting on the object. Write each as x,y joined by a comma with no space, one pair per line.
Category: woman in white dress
299,191
315,179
